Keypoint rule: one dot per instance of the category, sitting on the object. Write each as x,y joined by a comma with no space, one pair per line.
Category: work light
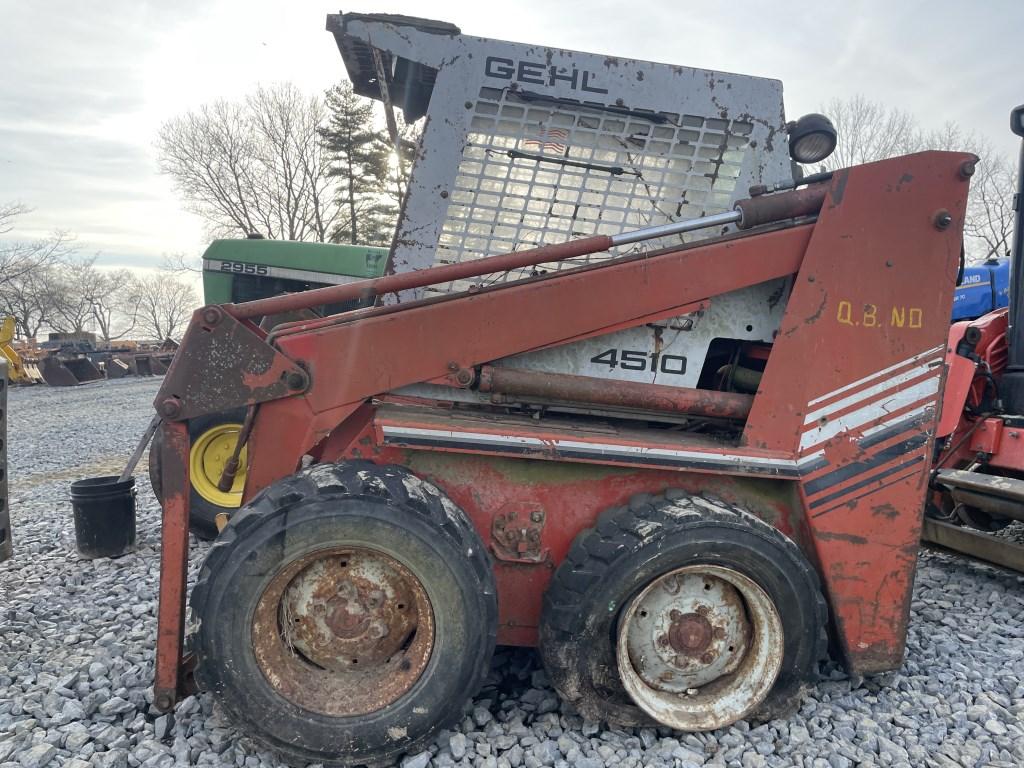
812,138
1017,120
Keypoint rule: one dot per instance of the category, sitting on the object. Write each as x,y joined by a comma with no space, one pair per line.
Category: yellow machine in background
18,371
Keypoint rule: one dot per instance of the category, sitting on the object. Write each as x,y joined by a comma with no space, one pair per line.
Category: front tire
345,615
682,610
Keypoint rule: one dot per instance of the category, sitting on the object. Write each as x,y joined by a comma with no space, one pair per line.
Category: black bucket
104,516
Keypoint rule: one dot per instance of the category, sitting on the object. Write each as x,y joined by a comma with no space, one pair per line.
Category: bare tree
71,311
29,275
107,298
989,221
164,305
254,166
19,257
870,131
9,212
31,299
180,262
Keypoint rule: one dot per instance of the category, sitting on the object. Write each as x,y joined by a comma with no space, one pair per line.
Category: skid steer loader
609,404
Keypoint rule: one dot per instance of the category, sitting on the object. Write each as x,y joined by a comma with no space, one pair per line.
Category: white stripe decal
875,375
873,392
609,449
875,410
908,416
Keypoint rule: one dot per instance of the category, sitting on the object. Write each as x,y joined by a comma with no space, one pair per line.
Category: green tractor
244,270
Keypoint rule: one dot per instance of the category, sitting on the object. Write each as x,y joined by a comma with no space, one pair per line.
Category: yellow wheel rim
209,453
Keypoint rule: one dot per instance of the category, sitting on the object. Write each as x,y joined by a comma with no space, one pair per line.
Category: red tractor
676,438
979,469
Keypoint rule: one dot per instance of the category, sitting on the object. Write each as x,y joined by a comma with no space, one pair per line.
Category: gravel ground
76,657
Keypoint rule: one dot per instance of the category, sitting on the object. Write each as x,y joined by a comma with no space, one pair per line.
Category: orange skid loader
676,437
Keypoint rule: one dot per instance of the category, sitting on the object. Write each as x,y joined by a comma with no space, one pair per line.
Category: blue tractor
984,287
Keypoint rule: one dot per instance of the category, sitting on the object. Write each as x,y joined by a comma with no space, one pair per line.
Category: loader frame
835,450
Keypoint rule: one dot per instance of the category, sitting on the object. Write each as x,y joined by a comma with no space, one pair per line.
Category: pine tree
359,161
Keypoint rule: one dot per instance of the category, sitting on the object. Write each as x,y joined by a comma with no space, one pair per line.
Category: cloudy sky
85,85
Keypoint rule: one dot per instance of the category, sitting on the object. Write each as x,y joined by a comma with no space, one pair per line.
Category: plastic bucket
104,516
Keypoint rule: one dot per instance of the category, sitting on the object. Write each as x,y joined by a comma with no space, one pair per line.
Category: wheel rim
699,647
207,457
343,631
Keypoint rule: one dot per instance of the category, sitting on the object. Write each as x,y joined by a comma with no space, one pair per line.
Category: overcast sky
84,86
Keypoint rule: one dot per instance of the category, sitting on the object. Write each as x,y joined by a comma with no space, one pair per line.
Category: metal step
981,546
1002,496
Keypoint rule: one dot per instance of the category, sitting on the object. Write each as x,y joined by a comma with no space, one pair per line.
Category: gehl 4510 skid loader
672,435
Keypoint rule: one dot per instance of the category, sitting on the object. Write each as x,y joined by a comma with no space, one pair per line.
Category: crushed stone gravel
77,638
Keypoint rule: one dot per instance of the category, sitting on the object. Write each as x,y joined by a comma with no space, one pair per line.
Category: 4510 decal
638,360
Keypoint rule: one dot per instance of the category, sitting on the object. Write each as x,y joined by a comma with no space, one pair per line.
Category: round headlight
1017,120
812,138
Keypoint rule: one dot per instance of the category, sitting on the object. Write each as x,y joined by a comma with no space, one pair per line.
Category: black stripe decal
574,453
860,484
814,466
873,490
844,473
895,429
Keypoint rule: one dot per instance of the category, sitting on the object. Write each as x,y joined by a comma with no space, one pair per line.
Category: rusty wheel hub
698,645
344,631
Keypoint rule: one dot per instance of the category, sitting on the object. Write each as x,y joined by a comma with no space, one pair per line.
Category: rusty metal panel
173,564
525,145
223,364
854,378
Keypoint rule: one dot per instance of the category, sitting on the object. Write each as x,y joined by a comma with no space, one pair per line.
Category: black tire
155,465
351,503
629,547
202,519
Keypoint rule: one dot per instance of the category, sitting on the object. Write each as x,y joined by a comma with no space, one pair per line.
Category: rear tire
345,615
203,513
611,567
